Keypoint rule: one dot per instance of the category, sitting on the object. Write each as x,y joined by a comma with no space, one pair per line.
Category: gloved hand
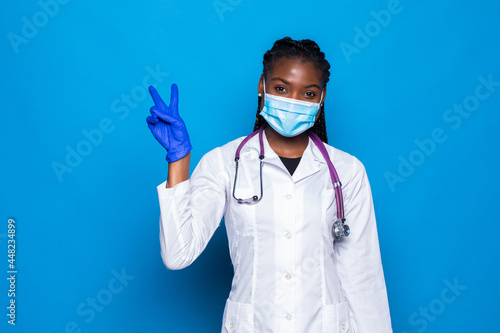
167,126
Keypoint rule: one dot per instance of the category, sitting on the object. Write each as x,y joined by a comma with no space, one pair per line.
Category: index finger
156,97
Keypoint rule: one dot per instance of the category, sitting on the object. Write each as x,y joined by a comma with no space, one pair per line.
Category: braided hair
306,50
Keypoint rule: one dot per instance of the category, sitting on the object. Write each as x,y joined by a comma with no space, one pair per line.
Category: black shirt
290,163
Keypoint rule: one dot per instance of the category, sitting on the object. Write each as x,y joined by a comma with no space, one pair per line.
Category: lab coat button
230,325
288,235
288,276
288,196
288,317
343,327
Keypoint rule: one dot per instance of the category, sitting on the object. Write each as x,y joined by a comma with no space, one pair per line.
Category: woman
278,196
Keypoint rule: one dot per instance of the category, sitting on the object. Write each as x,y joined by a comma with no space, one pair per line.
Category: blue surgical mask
288,116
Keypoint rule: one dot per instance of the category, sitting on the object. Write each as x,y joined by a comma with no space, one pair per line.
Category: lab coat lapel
309,164
271,156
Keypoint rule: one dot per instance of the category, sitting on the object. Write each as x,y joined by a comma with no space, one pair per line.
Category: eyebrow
286,82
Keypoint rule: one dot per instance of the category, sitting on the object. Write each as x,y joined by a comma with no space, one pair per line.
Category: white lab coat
288,275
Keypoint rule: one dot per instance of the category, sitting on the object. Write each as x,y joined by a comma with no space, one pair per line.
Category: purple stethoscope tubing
337,185
254,199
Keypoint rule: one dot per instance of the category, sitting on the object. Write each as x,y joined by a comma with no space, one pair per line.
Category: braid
259,120
306,50
319,126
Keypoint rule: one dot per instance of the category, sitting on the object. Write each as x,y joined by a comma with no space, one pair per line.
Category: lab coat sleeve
191,211
359,261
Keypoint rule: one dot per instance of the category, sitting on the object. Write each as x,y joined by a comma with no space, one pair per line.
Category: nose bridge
295,94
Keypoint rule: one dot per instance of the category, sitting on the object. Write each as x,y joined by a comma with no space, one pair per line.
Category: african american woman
298,212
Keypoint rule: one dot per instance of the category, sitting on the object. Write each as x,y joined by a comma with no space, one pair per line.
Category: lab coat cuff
164,192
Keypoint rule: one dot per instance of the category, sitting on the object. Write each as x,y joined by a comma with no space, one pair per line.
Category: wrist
174,156
178,171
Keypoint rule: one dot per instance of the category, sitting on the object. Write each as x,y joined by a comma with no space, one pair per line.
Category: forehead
296,70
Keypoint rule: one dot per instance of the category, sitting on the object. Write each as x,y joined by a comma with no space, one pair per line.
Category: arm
359,261
191,211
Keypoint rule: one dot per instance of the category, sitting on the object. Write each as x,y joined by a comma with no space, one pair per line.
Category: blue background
68,69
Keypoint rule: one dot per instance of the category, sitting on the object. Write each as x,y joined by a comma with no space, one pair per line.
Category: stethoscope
339,228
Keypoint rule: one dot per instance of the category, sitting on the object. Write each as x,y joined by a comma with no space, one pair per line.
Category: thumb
165,116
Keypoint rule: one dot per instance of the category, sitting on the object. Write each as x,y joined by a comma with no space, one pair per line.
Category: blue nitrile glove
167,126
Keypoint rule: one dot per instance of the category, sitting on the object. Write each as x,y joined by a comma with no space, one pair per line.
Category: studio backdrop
414,94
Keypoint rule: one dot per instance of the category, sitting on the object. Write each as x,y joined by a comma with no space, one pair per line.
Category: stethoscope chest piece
340,229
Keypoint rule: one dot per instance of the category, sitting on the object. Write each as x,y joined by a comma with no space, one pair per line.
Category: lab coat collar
309,164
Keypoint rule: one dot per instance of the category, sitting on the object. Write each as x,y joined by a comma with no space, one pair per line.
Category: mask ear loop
320,103
265,94
264,82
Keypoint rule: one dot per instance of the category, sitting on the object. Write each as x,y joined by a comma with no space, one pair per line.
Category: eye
310,94
280,89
